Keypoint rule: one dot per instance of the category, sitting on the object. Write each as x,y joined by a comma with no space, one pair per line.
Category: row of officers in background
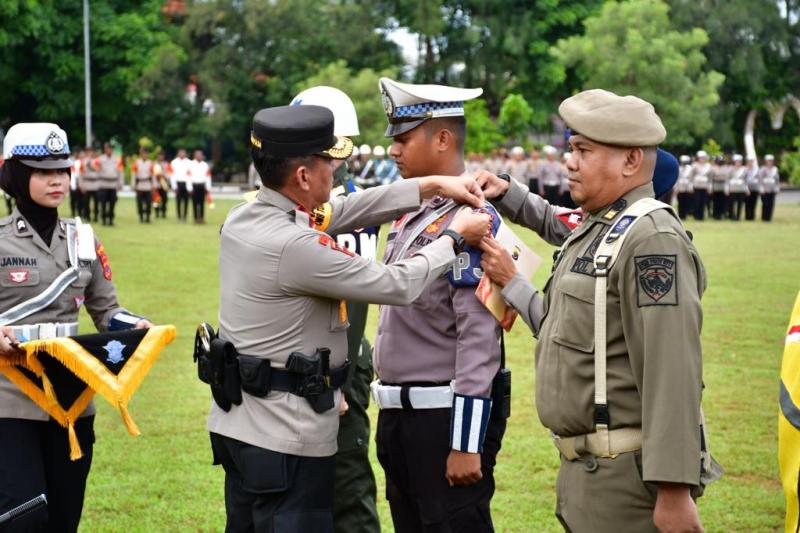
718,187
95,180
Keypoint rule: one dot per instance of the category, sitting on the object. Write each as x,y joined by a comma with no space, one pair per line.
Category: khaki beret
608,118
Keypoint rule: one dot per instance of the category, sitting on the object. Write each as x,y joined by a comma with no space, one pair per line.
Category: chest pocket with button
19,277
573,306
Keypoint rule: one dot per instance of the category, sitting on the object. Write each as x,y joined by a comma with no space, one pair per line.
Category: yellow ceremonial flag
789,421
61,375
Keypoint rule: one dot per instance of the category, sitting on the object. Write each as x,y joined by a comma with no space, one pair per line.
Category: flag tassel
133,429
75,451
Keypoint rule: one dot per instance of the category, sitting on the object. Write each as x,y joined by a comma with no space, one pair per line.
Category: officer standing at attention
39,252
436,359
109,179
144,181
701,183
548,174
283,291
181,183
769,186
355,491
622,400
89,183
753,187
738,188
684,188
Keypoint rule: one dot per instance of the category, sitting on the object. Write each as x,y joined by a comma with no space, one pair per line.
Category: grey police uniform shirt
143,176
769,180
684,184
701,180
88,181
282,283
109,172
738,182
27,267
549,173
446,333
751,177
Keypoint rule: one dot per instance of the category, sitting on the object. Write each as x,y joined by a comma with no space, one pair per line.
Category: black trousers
767,206
91,206
161,209
533,185
552,193
737,203
272,492
75,202
182,200
412,447
34,459
198,201
720,201
684,204
750,206
108,202
700,201
144,205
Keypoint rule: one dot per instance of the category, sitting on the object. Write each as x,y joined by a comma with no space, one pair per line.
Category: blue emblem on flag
114,349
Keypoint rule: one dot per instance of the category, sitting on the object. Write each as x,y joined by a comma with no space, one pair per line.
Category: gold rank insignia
322,216
611,214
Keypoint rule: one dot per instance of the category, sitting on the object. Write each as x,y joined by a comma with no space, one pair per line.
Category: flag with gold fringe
61,375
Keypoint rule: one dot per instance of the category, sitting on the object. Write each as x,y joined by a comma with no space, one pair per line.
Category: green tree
790,163
362,88
630,48
515,118
483,135
756,47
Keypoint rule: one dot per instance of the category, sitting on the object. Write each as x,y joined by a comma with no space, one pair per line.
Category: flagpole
87,73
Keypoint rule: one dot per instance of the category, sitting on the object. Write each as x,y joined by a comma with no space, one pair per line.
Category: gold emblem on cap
255,141
341,150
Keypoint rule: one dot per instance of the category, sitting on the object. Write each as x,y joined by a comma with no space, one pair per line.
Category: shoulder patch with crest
657,280
101,255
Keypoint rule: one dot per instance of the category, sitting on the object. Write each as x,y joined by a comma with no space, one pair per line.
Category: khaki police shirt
143,175
109,172
446,333
769,180
88,180
549,173
281,286
653,330
35,266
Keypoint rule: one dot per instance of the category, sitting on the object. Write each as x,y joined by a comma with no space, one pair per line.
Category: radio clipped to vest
501,386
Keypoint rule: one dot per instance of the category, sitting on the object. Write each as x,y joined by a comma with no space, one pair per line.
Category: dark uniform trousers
685,205
720,201
354,491
750,206
144,205
198,201
738,200
91,205
273,492
412,447
767,206
700,201
552,193
161,209
34,460
75,203
182,199
108,203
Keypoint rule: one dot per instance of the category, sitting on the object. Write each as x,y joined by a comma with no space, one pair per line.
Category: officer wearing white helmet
684,187
519,167
385,168
355,489
738,188
50,267
701,183
548,174
363,171
769,181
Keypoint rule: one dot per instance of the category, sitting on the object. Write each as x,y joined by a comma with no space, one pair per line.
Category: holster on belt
218,367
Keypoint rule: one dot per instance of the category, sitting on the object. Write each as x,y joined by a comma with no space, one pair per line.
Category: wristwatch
458,246
507,178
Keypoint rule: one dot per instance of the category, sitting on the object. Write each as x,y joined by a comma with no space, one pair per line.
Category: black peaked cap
293,131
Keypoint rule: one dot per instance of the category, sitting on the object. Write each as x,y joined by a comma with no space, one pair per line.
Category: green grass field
164,481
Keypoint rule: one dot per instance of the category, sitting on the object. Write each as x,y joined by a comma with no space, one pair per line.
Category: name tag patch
657,280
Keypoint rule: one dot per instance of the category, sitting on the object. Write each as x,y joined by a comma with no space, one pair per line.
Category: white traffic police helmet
345,119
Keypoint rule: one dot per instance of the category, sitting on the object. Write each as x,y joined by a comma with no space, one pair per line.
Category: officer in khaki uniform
49,269
109,172
355,491
143,181
625,413
283,291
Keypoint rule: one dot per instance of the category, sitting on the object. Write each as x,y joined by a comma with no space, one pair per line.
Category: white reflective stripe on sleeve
455,417
125,317
475,427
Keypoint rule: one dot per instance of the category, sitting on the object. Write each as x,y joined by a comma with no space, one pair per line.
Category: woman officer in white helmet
355,489
36,248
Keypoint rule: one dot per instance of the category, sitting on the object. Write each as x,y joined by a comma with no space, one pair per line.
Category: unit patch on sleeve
657,277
